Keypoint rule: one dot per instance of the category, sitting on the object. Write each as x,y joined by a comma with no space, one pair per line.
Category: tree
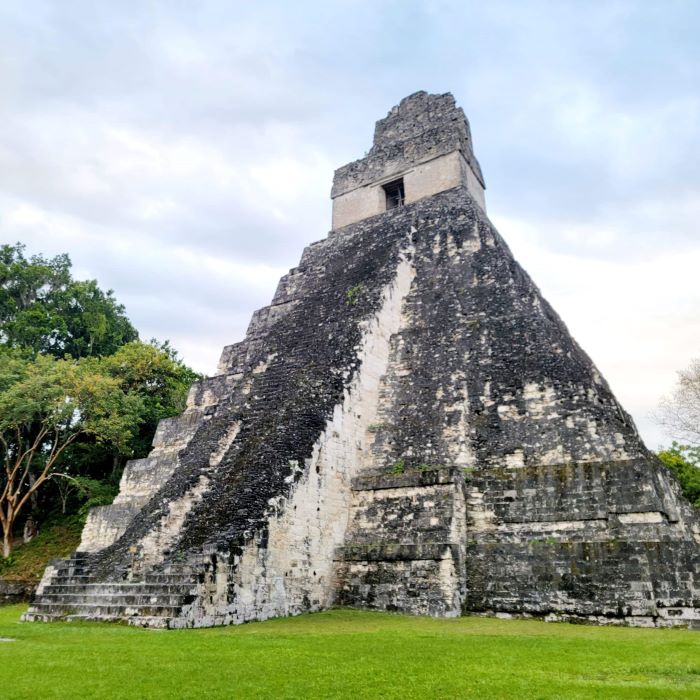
43,308
53,331
46,404
679,414
153,373
684,462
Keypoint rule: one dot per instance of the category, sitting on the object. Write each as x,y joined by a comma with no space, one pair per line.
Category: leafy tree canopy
79,393
46,404
44,309
155,374
684,462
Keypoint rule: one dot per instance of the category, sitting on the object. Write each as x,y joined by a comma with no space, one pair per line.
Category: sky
182,153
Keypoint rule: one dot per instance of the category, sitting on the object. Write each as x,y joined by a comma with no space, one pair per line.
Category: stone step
31,615
141,621
390,537
75,559
150,579
124,588
98,611
92,618
412,478
398,552
65,573
152,622
171,579
67,578
71,564
111,599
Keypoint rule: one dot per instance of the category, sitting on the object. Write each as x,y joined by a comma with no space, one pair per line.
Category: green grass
347,654
28,561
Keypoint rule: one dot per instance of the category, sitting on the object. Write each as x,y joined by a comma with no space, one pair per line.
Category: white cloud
183,155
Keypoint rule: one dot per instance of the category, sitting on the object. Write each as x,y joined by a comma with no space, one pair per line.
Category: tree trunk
116,459
8,525
33,498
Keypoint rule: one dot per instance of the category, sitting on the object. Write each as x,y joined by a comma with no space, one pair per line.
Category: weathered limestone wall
358,204
584,540
485,373
418,580
567,512
241,465
436,351
406,543
420,128
470,179
16,591
423,180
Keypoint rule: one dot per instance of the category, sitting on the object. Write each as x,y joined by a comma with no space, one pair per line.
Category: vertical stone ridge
286,567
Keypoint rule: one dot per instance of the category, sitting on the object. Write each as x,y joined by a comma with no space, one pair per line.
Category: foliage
79,394
42,308
348,654
46,404
684,462
352,296
398,467
57,538
680,413
424,467
154,372
95,493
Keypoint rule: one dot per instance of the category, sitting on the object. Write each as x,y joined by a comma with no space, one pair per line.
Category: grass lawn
347,653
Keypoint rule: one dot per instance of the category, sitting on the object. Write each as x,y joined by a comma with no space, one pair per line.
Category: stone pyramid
408,426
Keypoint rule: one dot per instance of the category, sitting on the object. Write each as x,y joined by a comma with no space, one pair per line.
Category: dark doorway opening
395,194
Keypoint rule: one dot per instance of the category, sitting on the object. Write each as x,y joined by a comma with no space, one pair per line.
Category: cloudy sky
182,152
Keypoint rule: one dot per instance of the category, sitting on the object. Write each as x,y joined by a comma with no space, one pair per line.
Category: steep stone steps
405,545
106,607
82,580
167,579
112,599
98,611
69,593
114,588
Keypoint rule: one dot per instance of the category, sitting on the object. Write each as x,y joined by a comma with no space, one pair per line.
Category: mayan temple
408,426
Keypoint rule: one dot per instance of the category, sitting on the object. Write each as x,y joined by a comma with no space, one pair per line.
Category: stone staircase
67,592
142,478
405,545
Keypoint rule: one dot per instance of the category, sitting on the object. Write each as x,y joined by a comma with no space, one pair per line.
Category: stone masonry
408,426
